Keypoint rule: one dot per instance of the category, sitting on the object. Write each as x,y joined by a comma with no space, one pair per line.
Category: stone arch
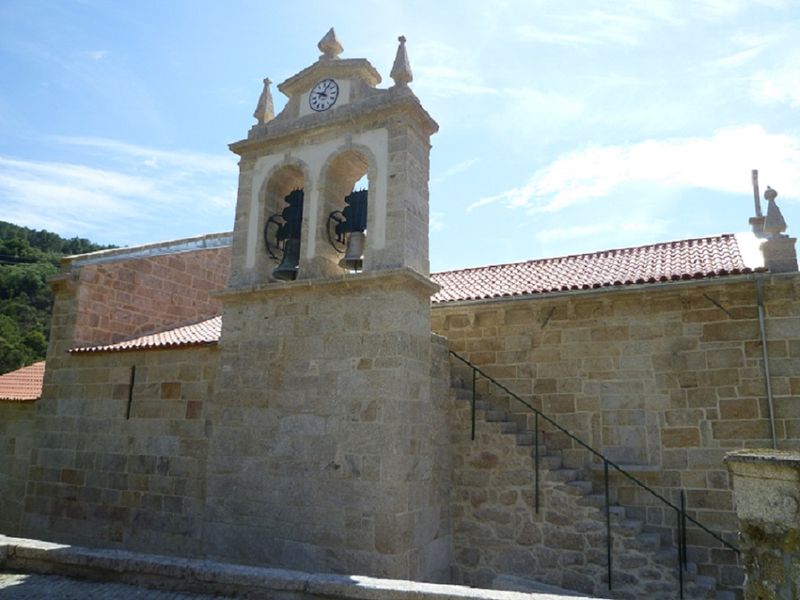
343,168
280,180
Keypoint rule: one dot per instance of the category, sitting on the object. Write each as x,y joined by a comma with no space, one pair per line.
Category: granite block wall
118,457
16,443
126,298
325,434
664,380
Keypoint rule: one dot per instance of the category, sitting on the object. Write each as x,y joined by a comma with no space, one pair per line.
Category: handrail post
474,377
678,521
608,521
683,528
536,461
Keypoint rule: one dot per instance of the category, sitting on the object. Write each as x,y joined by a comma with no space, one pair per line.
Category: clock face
323,95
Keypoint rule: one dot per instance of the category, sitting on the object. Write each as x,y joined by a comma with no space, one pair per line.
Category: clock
323,95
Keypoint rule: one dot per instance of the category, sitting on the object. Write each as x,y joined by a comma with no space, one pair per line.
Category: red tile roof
669,261
24,384
197,334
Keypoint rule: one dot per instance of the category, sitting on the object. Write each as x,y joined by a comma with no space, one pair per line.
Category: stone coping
765,455
210,577
403,276
200,242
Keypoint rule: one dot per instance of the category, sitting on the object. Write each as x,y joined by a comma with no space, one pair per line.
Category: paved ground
22,586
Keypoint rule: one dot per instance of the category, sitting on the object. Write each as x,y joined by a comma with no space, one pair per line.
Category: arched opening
346,172
281,183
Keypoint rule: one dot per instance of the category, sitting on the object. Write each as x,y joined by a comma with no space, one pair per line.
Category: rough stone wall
766,487
325,436
97,477
125,298
16,442
665,380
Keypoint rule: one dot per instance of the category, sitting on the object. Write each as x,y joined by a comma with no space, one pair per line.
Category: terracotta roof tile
24,384
669,261
204,332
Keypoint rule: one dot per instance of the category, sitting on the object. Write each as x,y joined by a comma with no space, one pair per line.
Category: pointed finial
401,69
329,45
775,223
264,109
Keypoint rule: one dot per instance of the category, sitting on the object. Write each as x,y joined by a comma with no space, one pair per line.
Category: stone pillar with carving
766,487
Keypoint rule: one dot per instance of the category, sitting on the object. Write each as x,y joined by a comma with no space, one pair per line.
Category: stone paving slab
26,564
27,586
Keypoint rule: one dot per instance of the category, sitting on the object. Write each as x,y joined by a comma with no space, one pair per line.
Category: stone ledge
197,575
201,242
401,276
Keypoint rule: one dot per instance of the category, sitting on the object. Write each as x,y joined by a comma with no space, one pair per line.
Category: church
303,393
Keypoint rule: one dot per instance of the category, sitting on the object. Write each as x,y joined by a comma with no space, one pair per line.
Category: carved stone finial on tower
265,110
401,69
780,255
775,223
329,45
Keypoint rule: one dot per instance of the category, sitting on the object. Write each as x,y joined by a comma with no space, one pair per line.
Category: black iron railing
680,508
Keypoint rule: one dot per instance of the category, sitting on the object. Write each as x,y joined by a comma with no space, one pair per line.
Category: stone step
704,581
617,513
525,438
508,427
595,500
646,541
632,533
548,462
584,486
630,527
496,416
667,556
562,475
572,490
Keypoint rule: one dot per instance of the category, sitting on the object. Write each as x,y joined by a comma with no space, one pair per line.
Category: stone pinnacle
264,109
401,69
775,223
329,45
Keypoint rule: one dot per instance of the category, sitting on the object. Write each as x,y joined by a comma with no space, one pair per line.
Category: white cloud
98,54
584,28
153,157
560,234
777,86
437,221
125,196
455,169
739,58
721,162
442,70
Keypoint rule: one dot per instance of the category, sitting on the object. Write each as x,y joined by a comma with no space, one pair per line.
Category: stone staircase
572,515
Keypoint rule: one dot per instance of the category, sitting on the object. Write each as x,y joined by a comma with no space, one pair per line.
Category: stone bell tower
323,444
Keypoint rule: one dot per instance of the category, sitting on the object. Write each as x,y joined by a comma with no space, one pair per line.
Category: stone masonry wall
326,437
665,380
97,477
125,298
16,442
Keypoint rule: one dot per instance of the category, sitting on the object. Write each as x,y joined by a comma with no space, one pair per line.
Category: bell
353,258
287,270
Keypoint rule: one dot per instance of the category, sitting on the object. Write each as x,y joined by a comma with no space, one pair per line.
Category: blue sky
565,126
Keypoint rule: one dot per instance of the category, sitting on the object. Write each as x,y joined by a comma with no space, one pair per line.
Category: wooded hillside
27,258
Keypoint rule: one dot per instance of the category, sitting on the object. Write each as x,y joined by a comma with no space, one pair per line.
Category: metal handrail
682,516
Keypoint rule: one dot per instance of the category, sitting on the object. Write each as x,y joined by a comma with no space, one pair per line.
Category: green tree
27,259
